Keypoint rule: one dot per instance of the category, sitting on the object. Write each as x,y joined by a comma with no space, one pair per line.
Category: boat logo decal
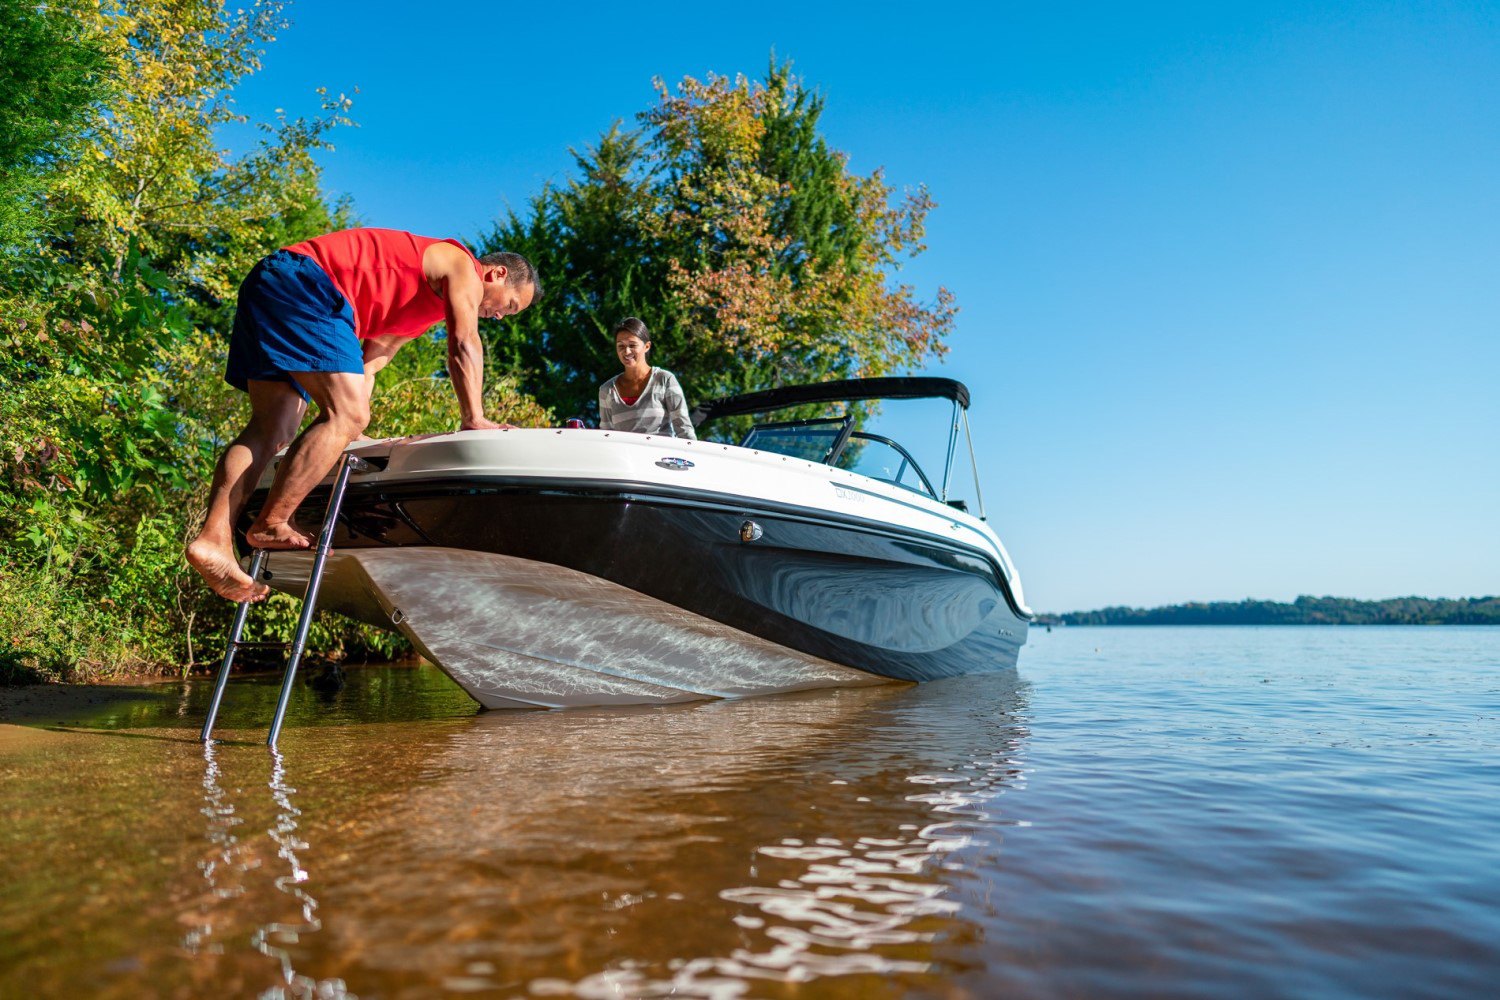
674,463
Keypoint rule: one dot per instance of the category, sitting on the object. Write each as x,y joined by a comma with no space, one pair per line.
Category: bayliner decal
674,463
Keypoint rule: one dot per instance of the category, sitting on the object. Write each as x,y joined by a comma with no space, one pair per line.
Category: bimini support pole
952,443
978,493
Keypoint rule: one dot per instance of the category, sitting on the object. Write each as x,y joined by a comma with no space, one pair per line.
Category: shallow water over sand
1163,812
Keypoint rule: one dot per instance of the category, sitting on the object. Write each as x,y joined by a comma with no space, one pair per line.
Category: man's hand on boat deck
484,424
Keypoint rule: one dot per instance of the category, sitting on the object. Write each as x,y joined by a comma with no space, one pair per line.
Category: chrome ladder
349,463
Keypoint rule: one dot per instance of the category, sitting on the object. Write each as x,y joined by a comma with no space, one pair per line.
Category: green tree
51,82
112,337
727,222
1305,610
154,174
413,395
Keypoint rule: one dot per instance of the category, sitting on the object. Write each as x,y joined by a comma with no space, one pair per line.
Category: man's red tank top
380,273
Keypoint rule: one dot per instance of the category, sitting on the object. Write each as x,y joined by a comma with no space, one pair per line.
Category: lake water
1211,812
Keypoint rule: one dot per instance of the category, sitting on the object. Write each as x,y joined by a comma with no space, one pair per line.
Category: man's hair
633,326
518,271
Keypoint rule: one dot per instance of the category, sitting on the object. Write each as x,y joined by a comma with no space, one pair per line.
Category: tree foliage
52,76
154,173
726,222
111,329
413,395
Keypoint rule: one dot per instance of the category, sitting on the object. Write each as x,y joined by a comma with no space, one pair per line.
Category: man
317,320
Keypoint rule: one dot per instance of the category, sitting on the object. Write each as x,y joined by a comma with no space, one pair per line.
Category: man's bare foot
276,536
217,566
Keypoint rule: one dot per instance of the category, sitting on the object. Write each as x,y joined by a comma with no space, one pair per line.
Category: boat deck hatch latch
750,532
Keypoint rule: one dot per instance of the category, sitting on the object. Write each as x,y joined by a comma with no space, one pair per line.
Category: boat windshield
881,458
811,440
841,424
830,441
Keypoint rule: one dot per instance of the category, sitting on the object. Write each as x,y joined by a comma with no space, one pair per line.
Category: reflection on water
789,839
1137,813
221,867
268,939
694,850
226,866
835,906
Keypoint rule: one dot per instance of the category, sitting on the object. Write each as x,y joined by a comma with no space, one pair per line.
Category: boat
563,567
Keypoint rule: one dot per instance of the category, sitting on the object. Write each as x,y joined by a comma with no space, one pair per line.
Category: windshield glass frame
926,489
764,437
841,425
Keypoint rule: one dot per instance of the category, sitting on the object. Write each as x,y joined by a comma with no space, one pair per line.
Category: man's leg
275,413
343,413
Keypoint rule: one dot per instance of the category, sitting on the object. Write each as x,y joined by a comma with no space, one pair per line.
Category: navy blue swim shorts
291,318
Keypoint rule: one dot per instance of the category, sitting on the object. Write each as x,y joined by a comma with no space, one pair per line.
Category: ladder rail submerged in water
349,463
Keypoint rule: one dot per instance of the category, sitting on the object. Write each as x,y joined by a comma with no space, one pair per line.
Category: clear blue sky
1230,280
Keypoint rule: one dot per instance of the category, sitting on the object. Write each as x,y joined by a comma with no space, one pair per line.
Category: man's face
501,298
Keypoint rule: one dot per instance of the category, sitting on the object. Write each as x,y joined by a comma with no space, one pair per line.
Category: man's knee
286,428
274,430
343,400
353,417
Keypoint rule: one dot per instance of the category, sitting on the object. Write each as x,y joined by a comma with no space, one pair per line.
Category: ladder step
349,463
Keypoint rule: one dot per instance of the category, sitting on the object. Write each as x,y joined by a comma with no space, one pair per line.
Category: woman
642,399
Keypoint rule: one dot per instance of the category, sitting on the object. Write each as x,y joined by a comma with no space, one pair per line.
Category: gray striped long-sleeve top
661,407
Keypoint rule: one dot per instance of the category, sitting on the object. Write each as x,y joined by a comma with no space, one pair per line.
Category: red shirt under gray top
661,407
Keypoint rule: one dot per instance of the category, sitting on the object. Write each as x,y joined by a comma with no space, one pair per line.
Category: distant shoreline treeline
1304,610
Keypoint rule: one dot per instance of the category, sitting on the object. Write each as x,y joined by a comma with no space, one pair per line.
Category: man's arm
378,352
462,292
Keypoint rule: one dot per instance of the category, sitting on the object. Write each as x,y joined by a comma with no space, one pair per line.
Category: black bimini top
845,390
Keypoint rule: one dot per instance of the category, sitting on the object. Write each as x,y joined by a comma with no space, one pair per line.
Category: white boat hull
550,569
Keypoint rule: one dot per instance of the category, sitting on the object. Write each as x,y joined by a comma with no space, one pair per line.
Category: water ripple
1149,812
